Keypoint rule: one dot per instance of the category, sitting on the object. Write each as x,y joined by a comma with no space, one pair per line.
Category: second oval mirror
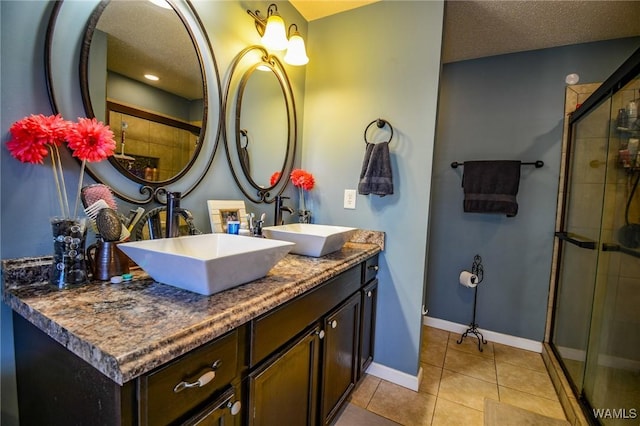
261,124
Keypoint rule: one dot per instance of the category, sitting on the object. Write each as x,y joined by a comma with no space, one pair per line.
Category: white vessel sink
207,263
311,239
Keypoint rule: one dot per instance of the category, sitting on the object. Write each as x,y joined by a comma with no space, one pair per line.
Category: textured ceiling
316,9
474,29
158,44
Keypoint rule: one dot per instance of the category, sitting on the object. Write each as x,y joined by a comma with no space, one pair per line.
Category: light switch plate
349,198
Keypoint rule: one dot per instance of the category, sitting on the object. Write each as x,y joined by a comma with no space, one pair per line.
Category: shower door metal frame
628,71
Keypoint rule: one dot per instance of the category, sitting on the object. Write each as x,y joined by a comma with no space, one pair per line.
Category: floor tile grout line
372,395
446,347
495,368
528,393
469,376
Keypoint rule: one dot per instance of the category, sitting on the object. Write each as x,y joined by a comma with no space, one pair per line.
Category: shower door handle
621,249
610,247
586,244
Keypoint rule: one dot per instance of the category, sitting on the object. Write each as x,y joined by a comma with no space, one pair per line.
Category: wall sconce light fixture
274,36
296,52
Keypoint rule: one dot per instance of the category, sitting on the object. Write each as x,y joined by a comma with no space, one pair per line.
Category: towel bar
538,164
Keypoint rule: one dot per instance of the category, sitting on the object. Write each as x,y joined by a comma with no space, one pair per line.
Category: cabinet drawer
279,326
162,398
369,269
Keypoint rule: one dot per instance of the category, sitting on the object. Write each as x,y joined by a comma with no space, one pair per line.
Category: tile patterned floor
456,380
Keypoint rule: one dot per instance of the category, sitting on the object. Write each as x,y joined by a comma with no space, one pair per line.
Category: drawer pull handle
334,324
369,294
202,381
320,334
374,267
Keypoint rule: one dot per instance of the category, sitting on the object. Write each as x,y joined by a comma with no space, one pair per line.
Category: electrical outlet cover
349,198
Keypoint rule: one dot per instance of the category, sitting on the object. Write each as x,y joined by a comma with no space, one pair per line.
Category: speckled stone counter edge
25,282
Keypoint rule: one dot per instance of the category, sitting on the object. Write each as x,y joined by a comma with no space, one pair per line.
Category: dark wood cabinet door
367,325
340,356
284,391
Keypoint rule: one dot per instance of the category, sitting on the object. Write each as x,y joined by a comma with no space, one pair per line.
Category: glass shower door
612,375
580,239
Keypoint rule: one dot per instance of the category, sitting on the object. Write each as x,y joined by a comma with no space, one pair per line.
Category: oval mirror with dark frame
263,143
161,128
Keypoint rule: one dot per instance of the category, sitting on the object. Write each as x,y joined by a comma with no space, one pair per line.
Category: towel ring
380,123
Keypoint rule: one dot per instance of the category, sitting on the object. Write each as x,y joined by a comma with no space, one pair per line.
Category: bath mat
501,414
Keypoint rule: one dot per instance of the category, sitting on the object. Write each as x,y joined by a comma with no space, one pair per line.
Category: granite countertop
125,330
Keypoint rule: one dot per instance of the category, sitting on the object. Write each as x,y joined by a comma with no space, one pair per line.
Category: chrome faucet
279,209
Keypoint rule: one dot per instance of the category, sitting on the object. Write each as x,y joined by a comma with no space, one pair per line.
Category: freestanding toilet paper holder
477,270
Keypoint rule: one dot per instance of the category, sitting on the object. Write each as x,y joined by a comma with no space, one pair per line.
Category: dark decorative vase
69,266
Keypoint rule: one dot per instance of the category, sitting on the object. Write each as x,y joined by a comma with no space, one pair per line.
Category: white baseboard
395,376
504,339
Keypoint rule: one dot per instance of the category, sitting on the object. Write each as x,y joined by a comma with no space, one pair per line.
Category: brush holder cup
106,260
69,266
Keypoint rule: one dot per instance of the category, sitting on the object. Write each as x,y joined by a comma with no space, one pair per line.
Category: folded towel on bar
491,186
375,176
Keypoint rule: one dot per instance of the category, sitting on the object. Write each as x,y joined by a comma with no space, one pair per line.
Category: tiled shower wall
173,147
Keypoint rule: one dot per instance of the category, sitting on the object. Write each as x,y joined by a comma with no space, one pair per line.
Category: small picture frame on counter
223,211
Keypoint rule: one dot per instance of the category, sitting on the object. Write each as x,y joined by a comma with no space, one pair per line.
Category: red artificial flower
31,135
34,136
302,179
274,178
91,140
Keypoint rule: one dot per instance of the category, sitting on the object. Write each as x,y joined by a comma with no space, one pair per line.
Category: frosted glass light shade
275,35
296,52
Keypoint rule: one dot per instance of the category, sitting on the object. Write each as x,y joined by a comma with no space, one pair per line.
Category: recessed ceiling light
162,3
151,77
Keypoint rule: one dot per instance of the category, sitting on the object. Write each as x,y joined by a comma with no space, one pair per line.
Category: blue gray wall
504,107
363,67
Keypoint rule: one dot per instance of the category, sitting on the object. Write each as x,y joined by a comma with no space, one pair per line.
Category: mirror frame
63,48
233,129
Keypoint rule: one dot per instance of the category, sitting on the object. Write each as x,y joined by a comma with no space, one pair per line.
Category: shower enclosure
595,331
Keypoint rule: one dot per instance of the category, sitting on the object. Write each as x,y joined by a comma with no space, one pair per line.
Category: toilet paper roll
468,279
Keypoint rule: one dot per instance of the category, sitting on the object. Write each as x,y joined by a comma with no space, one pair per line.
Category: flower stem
75,209
57,181
303,207
62,187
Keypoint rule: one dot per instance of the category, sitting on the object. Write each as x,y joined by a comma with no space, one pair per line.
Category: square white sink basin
311,239
207,263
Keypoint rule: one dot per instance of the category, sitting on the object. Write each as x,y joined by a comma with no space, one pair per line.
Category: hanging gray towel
376,177
491,186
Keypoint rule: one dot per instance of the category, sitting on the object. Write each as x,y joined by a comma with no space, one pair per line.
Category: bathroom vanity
290,346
